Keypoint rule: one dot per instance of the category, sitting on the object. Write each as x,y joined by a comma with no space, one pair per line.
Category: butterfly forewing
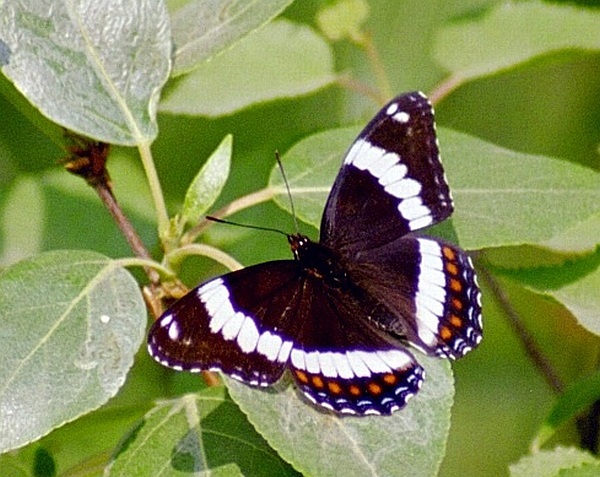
241,323
391,181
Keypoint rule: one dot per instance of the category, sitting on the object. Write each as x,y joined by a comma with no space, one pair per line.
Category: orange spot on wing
456,321
390,379
445,333
455,285
317,382
334,387
457,304
302,377
374,388
449,253
451,268
354,390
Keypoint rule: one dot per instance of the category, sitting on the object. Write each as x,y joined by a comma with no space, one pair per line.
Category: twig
88,161
526,338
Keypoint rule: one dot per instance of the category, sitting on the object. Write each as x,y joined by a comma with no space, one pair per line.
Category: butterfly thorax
318,261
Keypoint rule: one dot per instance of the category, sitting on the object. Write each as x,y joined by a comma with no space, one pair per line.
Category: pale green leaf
504,197
208,183
22,224
310,167
93,66
501,197
71,324
410,442
582,237
203,28
549,463
513,33
582,298
203,433
281,60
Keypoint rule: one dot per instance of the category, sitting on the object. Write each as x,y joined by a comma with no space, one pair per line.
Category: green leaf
581,237
572,280
201,433
93,66
311,166
549,463
513,33
501,197
582,299
504,197
208,183
571,403
411,442
281,60
203,28
71,324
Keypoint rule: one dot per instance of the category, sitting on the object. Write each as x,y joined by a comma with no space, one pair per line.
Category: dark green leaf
571,403
202,433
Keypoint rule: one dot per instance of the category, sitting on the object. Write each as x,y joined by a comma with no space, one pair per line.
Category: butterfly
343,315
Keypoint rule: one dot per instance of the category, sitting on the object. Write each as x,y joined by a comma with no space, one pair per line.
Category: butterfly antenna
289,192
248,226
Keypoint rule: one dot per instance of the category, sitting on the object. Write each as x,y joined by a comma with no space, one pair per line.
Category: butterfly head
318,260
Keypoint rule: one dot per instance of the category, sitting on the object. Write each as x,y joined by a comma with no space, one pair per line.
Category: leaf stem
133,239
145,263
205,250
381,77
87,159
162,217
444,89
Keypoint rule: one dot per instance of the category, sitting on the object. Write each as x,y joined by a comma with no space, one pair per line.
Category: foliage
194,98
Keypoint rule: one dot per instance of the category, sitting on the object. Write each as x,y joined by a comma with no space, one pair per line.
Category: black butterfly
340,314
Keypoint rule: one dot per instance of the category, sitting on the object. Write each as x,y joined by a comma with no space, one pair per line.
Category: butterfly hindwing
391,181
344,363
430,290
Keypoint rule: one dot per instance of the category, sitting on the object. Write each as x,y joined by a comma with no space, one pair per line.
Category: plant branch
529,344
88,161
